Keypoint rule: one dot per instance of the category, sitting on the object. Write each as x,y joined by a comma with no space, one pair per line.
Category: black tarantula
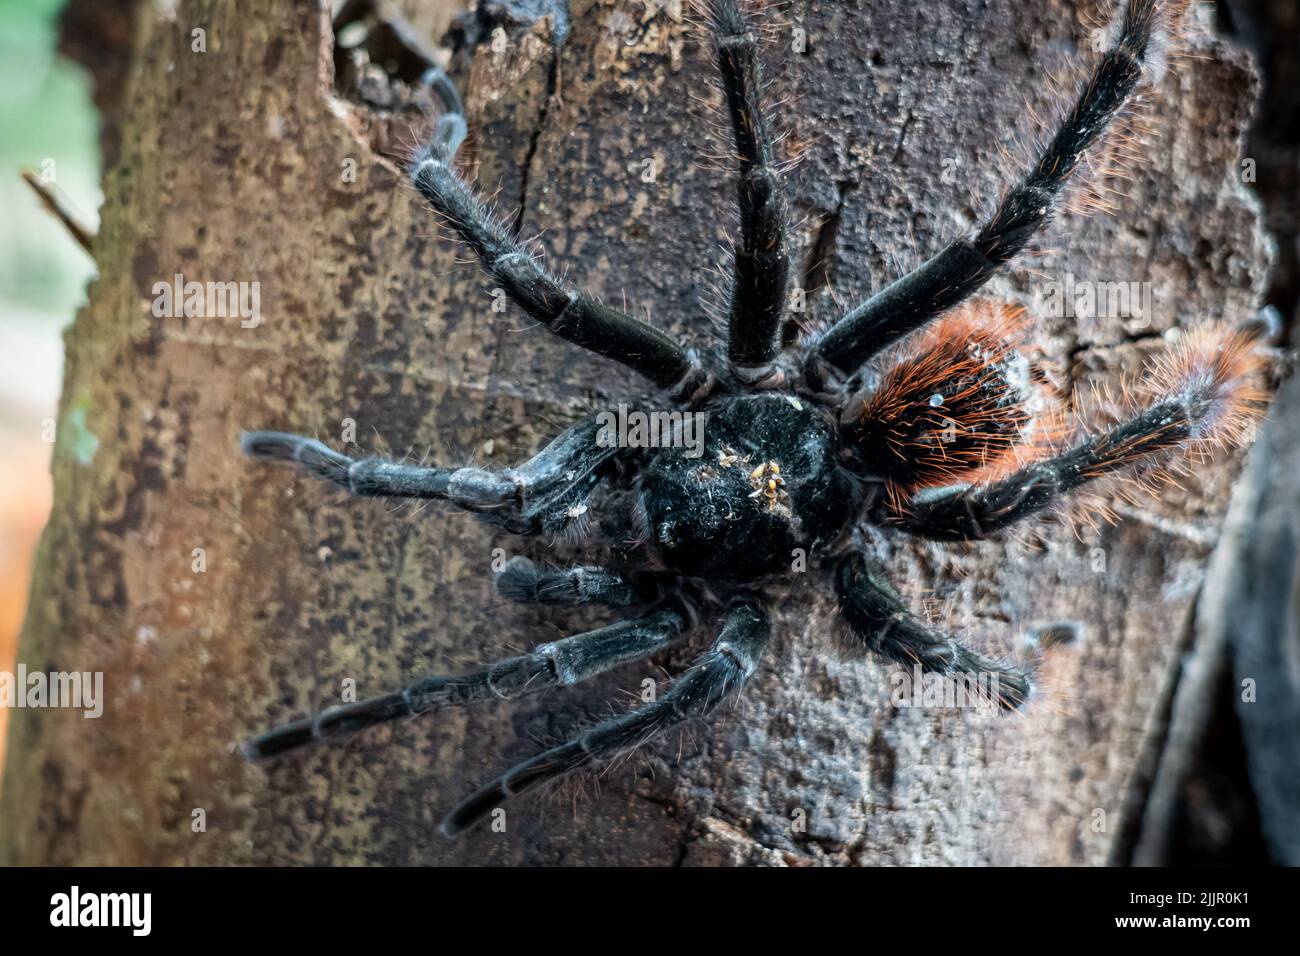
801,445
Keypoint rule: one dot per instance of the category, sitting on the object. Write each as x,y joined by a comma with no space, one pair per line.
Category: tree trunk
234,165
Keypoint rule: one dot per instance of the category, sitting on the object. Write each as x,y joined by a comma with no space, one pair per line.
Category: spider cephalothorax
803,439
769,482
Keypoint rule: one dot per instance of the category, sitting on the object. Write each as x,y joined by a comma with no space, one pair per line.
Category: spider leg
542,495
762,266
963,267
696,693
520,580
1200,395
876,613
571,315
968,512
559,663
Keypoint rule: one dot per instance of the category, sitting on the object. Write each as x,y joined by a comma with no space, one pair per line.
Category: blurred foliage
47,124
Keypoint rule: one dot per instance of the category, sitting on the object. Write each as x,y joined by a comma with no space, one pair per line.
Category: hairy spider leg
963,267
1200,393
558,663
762,265
969,512
722,670
450,129
546,494
572,315
876,614
521,580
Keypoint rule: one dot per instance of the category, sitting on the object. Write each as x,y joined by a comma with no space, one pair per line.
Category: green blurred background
48,125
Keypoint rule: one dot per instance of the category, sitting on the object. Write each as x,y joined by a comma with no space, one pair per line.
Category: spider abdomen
762,490
956,401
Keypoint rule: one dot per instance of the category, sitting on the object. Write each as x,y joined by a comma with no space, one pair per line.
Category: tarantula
801,446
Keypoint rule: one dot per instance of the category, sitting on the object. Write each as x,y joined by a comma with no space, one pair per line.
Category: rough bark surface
1257,612
230,167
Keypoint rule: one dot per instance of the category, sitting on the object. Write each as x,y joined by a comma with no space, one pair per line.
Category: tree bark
232,165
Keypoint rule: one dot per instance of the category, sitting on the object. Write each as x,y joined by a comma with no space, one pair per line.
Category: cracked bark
228,167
